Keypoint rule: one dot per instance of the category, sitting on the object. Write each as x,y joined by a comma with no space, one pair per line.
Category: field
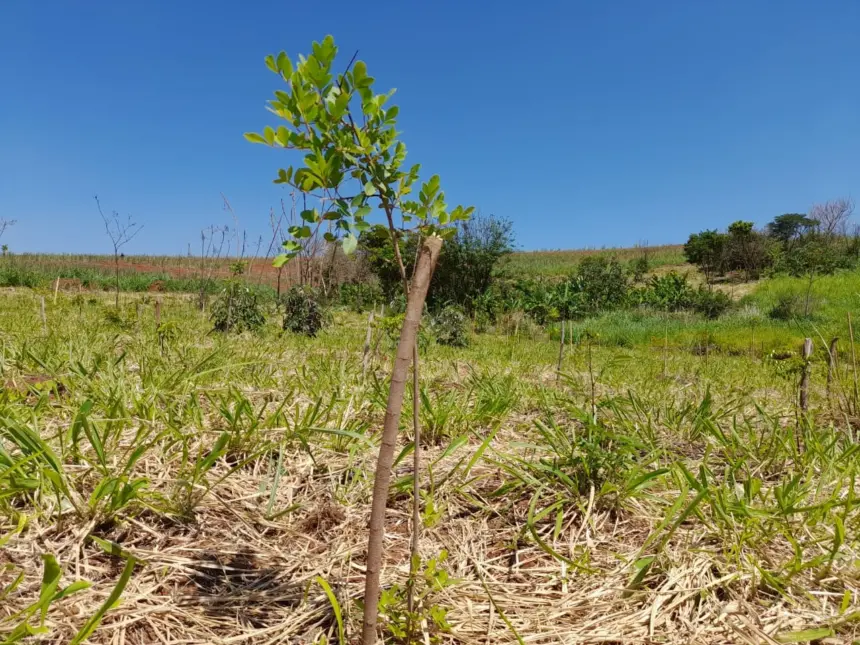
560,263
177,273
658,489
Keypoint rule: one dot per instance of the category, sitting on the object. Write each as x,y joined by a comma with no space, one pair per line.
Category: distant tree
789,227
815,255
376,247
469,260
5,250
4,224
120,232
746,250
833,216
705,250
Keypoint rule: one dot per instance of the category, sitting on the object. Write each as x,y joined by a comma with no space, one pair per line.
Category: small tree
746,249
120,232
833,216
705,250
4,224
353,160
789,227
815,255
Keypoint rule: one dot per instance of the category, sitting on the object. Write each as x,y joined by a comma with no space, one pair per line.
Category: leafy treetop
353,157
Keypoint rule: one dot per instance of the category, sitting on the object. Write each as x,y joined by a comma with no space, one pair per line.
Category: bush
670,292
360,296
467,263
237,309
711,304
451,327
303,313
788,306
639,267
602,283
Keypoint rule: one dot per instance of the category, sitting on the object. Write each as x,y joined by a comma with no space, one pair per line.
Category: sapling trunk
408,336
832,364
853,363
804,376
416,481
367,338
42,314
560,353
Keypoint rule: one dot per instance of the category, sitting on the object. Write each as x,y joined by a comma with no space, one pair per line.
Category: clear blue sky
586,123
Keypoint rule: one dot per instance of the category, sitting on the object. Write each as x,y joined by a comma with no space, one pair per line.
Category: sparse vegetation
624,445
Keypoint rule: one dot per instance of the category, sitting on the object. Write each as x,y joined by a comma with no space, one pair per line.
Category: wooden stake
367,338
832,364
804,376
56,288
157,313
853,360
666,351
42,314
560,353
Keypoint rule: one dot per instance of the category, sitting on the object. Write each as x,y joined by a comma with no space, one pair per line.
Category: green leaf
804,636
299,232
109,603
270,63
269,134
335,607
253,137
369,189
285,66
281,260
350,242
364,211
50,579
310,215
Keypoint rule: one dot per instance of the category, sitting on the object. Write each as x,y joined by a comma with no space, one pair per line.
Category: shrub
670,292
451,327
237,309
788,306
711,304
602,283
466,267
639,267
359,296
303,313
393,323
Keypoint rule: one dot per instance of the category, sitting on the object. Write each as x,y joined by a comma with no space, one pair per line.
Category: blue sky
585,123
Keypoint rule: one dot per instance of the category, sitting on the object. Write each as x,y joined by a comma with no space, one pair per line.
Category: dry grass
234,572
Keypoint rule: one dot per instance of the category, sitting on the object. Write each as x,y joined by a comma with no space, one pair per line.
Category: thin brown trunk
56,288
405,346
560,353
42,314
416,481
804,376
157,313
116,267
367,338
853,362
832,364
